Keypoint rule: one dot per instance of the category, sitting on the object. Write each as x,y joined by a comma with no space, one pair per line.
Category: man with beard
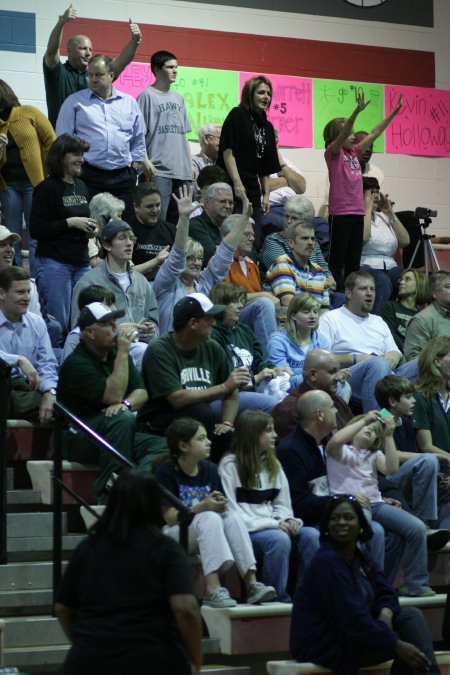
362,341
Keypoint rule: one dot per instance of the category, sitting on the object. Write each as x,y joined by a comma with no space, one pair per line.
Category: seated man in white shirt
362,341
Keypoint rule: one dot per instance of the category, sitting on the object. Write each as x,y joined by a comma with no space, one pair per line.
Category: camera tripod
431,262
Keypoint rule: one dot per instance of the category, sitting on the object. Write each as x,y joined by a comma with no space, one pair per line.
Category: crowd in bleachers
174,288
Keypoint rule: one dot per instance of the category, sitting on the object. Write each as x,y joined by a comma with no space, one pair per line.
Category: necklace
260,139
70,186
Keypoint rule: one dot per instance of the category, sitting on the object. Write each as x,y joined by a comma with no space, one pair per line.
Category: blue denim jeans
366,374
55,282
413,543
259,315
248,399
417,478
274,548
16,207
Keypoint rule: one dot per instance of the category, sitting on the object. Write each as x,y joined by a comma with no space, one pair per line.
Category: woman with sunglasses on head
413,294
345,614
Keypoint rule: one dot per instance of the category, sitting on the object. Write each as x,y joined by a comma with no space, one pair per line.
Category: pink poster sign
291,109
134,78
422,126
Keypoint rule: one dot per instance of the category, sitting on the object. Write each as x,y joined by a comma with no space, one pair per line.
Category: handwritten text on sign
291,108
336,98
208,94
134,79
422,126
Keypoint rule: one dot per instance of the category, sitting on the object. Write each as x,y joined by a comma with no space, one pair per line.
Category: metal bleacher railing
62,416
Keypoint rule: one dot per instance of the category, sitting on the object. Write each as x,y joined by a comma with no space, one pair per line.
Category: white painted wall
411,181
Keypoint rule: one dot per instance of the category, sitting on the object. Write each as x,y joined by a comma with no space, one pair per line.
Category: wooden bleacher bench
239,629
79,477
294,668
28,440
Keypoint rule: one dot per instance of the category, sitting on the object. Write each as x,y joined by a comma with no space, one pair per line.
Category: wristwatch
51,391
127,403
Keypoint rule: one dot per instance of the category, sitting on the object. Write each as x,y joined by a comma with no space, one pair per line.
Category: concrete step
9,478
39,548
38,659
225,670
25,497
31,525
18,603
33,631
50,657
26,576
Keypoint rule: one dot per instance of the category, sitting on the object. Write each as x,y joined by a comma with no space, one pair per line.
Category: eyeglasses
224,201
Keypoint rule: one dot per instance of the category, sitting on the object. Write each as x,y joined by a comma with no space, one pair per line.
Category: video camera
422,212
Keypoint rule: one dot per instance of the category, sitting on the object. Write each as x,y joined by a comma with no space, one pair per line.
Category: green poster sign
208,95
336,98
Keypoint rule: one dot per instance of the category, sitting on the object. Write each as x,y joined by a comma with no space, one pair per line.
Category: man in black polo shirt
63,79
100,384
217,206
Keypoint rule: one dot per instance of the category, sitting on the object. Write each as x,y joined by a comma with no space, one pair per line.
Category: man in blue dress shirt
112,123
25,345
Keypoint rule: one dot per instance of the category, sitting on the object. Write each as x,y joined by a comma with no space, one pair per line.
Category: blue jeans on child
412,543
273,547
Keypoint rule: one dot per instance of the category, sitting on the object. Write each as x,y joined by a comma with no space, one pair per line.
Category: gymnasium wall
377,47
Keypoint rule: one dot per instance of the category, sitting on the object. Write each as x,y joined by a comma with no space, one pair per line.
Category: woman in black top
248,149
126,601
61,223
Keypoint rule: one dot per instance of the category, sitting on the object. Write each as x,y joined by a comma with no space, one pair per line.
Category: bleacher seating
294,668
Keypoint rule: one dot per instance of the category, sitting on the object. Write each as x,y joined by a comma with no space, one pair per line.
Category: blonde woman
290,346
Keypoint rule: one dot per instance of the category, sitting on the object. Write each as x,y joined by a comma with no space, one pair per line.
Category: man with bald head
320,371
303,458
218,204
63,79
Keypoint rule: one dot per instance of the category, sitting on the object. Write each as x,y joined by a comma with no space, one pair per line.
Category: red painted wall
284,56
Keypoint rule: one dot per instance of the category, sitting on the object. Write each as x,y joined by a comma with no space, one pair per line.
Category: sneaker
437,539
258,592
404,593
219,599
